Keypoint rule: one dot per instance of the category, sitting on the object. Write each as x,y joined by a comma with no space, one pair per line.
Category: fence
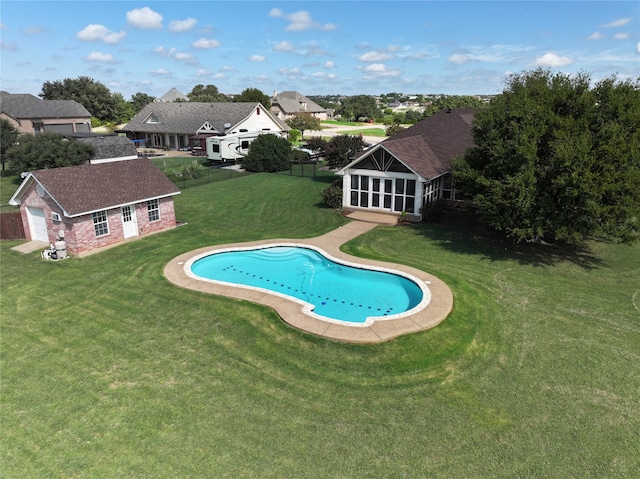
211,175
11,227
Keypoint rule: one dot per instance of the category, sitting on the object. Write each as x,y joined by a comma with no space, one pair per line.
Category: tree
393,128
304,121
268,153
91,94
254,95
140,100
8,137
445,102
557,160
47,150
341,148
359,107
207,93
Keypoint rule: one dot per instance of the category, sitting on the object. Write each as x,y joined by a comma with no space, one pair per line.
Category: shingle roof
110,146
88,188
23,105
187,117
430,146
291,102
172,95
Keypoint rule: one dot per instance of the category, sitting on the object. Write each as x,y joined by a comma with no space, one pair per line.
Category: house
172,95
171,125
30,114
108,147
95,206
410,169
289,103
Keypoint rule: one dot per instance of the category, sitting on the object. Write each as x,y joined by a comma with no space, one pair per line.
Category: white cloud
283,46
256,58
290,72
8,46
178,26
144,19
301,21
375,56
595,36
204,44
96,32
553,60
163,52
227,68
203,73
329,64
621,36
376,70
101,57
183,57
161,72
325,76
617,23
460,58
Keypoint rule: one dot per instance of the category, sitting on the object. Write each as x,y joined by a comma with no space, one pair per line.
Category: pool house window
153,209
100,223
394,194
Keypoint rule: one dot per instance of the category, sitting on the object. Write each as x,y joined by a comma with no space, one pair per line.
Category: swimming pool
327,288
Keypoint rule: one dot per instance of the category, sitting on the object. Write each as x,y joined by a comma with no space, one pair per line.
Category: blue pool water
336,290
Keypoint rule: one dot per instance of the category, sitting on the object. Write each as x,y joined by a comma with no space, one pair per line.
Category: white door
129,223
38,224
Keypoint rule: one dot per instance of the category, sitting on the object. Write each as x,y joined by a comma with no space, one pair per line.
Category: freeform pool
328,289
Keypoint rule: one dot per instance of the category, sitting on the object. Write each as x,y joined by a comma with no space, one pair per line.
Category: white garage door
38,224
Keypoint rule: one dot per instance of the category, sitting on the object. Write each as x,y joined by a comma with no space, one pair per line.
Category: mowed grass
110,371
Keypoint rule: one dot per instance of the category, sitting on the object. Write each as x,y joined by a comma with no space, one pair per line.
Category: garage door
38,224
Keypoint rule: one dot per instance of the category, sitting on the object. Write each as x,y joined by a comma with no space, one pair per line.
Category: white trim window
153,209
100,223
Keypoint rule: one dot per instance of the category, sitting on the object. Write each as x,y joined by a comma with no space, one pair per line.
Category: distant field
365,132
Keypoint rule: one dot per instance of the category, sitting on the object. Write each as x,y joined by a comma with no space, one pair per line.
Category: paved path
437,309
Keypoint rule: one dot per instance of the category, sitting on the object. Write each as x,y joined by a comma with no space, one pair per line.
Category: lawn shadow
461,232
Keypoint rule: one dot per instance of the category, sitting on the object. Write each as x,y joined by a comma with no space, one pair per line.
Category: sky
313,47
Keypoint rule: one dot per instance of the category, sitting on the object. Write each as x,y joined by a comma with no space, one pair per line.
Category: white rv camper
232,147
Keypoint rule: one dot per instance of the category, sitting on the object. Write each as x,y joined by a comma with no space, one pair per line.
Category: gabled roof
187,117
24,105
429,147
293,102
172,95
84,189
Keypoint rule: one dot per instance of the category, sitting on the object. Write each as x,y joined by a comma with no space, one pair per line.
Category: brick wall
79,233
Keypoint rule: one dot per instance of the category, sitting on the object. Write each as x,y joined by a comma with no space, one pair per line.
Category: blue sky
316,48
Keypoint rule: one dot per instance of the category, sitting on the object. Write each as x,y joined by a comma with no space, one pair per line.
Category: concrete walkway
290,311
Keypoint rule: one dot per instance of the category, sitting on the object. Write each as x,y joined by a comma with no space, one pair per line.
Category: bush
268,153
434,211
332,196
299,156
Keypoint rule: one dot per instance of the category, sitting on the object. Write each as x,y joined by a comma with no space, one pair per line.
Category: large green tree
268,153
444,102
8,137
208,93
91,94
47,150
557,159
252,95
341,148
359,107
304,121
140,100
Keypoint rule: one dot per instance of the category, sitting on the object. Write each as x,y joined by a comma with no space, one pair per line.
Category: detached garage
95,206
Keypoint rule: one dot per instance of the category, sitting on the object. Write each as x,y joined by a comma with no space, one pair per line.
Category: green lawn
110,371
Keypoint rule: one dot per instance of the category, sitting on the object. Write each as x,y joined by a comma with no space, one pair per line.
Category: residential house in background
410,169
171,96
172,125
30,114
108,148
288,103
96,206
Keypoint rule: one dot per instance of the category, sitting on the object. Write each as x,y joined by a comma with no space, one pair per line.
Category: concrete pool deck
435,312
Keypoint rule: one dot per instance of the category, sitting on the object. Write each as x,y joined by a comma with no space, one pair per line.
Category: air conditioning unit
55,217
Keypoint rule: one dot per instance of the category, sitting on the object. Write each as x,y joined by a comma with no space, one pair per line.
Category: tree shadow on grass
461,232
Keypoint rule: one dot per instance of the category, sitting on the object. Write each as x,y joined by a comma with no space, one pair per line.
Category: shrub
268,153
332,196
